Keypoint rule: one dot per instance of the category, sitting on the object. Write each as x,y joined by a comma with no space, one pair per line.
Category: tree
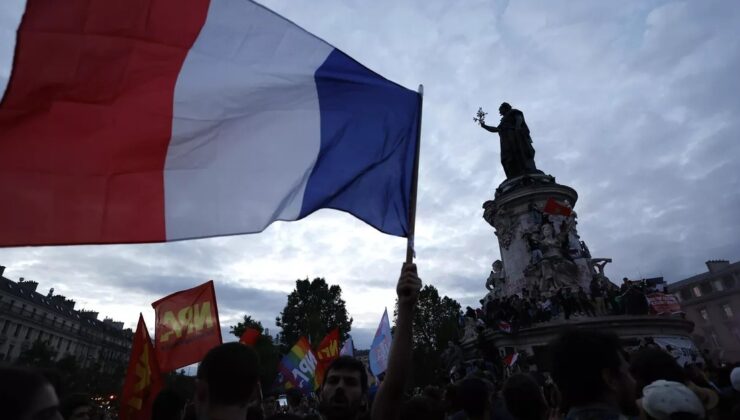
435,324
247,322
39,355
313,309
265,348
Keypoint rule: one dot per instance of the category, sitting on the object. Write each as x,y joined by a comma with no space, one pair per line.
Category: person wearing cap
669,400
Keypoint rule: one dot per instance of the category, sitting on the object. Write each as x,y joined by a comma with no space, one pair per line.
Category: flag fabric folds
381,346
143,379
510,359
186,327
326,352
555,207
158,120
298,367
348,349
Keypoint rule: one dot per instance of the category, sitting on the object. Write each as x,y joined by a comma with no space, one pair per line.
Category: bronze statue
517,153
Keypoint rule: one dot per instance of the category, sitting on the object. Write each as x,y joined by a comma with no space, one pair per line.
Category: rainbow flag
299,366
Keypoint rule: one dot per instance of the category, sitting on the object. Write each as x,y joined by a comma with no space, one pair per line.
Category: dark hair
231,372
651,364
523,397
168,405
422,408
294,397
578,360
349,363
18,388
473,396
505,105
72,403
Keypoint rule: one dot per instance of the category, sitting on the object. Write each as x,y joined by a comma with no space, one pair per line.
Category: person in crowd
652,364
343,395
524,398
585,302
668,400
422,407
592,374
389,398
225,382
474,394
597,294
168,405
76,407
27,395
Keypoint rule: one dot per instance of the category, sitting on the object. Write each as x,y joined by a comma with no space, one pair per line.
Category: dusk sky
634,104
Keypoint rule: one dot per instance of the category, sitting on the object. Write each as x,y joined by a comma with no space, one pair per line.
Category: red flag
250,336
504,326
143,379
327,351
556,208
187,326
511,359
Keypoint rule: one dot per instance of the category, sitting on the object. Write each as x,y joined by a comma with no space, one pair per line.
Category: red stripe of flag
90,101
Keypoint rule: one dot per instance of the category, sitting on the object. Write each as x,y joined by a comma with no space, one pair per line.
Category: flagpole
414,185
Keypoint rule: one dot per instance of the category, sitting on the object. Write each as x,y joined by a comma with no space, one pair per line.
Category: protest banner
298,367
143,378
326,352
187,326
661,303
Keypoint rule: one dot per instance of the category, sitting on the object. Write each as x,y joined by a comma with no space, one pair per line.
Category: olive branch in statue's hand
480,116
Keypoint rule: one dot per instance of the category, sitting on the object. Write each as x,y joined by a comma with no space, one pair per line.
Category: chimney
717,265
88,314
2,269
29,285
69,304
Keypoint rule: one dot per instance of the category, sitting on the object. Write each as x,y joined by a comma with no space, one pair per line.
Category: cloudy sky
634,104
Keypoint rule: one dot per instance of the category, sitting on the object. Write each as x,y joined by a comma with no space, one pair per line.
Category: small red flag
327,351
250,336
511,359
143,378
556,208
187,326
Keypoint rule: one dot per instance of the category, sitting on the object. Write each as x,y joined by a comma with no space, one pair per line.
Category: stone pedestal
539,249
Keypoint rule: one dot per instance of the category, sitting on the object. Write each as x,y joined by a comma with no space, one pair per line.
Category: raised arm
387,404
489,128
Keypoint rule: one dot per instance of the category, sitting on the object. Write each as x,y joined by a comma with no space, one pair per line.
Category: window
68,344
727,309
704,314
6,326
718,285
715,339
17,330
706,288
10,351
28,333
696,290
728,282
685,294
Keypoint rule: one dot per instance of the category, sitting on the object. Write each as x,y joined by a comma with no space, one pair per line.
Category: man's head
76,407
474,395
27,395
589,368
343,394
227,378
651,364
504,108
524,398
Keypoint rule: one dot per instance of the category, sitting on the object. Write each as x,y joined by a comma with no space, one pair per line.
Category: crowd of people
530,307
590,377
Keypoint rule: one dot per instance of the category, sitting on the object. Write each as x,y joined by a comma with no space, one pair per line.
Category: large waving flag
326,352
298,366
159,120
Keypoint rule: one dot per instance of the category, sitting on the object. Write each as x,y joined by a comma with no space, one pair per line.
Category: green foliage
313,309
39,355
435,323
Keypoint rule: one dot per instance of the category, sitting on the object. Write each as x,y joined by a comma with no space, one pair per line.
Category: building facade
27,316
712,301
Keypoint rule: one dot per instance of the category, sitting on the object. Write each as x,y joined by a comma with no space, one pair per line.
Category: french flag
129,121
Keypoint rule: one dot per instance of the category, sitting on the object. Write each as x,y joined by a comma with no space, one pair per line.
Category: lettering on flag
299,366
187,326
143,379
381,347
326,353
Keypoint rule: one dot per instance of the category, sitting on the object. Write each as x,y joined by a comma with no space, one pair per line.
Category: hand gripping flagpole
410,254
